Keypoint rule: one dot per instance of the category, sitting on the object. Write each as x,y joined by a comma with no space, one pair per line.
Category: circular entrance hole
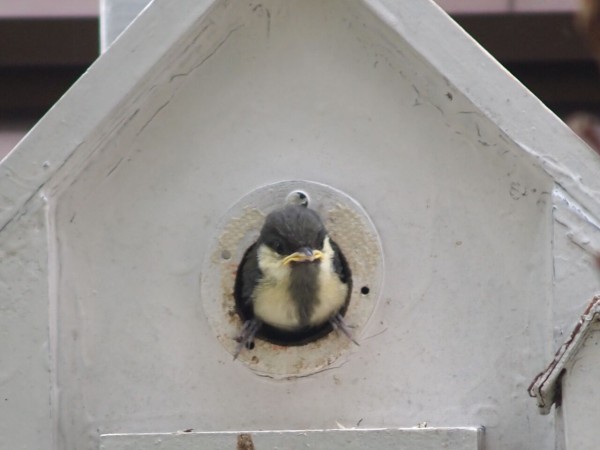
284,355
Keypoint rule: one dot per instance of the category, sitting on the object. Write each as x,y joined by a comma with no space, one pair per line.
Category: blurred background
45,45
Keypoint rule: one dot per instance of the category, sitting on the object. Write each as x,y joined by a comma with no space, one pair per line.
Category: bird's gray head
294,230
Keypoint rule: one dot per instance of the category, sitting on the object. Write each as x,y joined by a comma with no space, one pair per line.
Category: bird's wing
246,279
340,265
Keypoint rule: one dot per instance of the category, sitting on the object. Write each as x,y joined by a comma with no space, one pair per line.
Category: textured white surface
387,439
576,242
25,402
581,393
198,104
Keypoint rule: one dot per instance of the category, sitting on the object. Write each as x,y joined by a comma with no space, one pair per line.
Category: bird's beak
305,254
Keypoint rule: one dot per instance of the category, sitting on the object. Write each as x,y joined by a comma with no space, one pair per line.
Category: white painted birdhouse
466,209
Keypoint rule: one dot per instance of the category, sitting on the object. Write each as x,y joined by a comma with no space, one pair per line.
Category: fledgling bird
293,283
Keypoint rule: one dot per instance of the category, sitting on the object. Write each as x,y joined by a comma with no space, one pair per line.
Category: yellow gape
301,257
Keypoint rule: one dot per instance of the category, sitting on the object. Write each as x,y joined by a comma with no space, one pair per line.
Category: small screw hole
365,290
226,254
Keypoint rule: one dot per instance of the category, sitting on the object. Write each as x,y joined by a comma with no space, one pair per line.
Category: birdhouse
466,211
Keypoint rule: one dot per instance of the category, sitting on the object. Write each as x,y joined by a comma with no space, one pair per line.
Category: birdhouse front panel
316,92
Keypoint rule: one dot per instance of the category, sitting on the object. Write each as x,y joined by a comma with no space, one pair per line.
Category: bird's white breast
272,300
332,292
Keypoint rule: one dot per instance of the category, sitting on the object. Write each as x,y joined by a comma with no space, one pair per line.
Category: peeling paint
546,385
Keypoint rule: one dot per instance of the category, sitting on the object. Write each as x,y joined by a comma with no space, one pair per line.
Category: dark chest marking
304,289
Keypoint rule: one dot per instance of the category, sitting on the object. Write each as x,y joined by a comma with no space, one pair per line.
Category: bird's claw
338,323
246,336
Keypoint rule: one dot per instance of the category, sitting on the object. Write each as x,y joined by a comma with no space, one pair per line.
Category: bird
293,284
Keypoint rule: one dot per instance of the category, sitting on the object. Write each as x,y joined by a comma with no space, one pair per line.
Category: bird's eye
277,246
